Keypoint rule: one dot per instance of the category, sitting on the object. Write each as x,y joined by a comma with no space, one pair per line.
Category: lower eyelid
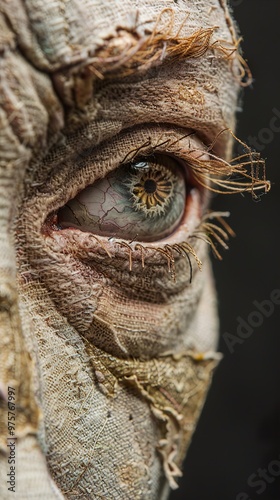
132,256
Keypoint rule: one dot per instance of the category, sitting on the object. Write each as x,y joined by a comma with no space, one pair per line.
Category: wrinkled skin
108,345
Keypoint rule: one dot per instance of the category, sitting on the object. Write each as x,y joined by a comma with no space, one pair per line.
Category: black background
239,430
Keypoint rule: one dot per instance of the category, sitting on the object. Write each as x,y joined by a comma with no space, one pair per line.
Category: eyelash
202,170
206,231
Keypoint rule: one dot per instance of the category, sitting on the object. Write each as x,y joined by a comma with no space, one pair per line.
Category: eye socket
143,200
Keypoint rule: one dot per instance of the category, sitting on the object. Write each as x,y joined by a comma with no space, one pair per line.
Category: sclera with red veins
142,201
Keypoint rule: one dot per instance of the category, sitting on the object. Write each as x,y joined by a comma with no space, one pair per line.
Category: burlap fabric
104,354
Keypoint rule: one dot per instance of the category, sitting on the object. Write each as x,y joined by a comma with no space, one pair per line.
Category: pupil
150,186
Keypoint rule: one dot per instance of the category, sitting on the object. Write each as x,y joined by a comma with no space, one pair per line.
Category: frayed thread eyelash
214,234
208,231
244,173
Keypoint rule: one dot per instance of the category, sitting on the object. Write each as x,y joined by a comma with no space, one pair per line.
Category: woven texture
104,353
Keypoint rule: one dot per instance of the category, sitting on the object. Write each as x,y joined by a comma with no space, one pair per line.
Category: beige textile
103,353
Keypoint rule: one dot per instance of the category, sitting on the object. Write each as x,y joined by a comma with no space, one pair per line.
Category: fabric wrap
109,365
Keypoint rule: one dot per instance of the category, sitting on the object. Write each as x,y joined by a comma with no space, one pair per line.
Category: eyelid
82,169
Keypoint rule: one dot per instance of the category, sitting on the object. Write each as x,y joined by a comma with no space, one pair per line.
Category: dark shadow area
235,453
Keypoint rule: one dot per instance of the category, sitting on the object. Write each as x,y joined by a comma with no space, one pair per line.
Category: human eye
141,209
142,200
